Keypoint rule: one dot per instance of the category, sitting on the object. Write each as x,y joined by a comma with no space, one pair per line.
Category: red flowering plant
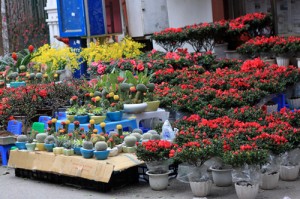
258,46
154,150
98,68
200,36
193,152
170,39
220,28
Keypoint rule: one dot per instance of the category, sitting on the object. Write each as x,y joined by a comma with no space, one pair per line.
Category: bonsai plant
101,152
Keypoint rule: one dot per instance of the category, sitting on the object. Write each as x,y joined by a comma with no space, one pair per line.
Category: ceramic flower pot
222,177
129,149
115,116
86,153
101,155
113,152
135,108
98,119
83,119
289,173
58,150
77,151
269,180
71,118
17,84
201,189
49,147
68,152
30,146
152,106
40,146
21,145
282,61
158,182
246,191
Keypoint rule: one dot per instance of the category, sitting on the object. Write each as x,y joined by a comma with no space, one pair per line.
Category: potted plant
130,144
152,102
68,148
195,153
155,153
87,150
98,115
40,138
101,152
21,142
49,143
82,115
247,185
30,145
71,112
59,143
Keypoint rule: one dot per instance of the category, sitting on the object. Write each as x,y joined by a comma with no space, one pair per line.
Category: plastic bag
291,158
247,174
167,131
272,165
189,173
159,166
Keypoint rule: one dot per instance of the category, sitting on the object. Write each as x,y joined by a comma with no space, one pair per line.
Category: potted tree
155,153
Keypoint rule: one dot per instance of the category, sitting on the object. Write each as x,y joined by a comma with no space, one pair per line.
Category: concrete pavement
12,187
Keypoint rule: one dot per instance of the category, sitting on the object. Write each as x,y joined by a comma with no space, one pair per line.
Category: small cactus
50,139
87,145
137,131
151,87
152,132
41,137
155,137
39,75
104,93
22,138
68,144
130,141
97,93
137,135
146,136
101,146
124,87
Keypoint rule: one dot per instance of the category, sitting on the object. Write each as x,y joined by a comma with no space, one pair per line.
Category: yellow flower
119,126
45,75
55,75
95,130
67,122
97,98
111,94
92,121
116,97
54,120
102,124
91,94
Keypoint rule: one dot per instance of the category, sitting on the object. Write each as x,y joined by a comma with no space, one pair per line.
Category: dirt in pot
244,183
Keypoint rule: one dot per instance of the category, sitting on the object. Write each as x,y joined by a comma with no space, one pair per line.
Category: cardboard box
92,169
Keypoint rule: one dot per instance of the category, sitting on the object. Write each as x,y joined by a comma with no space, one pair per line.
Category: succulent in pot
101,152
68,148
130,144
40,145
30,145
49,143
59,142
21,142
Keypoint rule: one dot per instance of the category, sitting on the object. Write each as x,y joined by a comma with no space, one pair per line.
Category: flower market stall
236,115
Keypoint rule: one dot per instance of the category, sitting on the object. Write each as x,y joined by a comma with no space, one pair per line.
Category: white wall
187,12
